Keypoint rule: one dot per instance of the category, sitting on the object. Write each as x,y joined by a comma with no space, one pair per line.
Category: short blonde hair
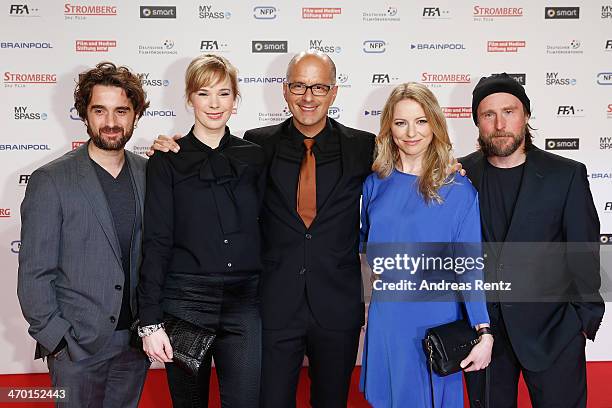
208,69
438,155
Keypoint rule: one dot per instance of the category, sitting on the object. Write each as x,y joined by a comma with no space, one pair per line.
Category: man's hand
164,143
480,356
157,346
454,167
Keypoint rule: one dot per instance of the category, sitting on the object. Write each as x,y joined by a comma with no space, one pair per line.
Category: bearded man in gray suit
81,231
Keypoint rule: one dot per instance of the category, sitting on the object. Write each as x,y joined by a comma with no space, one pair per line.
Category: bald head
315,56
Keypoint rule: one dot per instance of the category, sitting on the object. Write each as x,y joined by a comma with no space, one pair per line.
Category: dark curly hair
107,73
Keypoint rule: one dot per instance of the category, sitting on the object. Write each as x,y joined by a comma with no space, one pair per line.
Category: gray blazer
70,259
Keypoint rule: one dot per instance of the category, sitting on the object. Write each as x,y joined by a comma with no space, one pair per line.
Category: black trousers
331,356
562,385
236,351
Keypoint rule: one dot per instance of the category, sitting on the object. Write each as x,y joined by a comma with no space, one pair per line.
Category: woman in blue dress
410,201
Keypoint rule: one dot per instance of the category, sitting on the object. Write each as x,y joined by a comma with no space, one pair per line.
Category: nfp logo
333,112
561,13
604,78
374,46
264,12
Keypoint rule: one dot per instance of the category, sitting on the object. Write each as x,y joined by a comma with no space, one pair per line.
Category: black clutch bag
190,343
447,345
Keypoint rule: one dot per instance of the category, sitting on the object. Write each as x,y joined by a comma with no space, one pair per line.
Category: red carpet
156,394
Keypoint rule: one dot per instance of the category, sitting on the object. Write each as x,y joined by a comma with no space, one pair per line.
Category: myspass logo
435,13
505,46
89,10
148,80
562,144
374,46
481,13
23,10
561,13
606,11
17,79
206,12
323,47
24,113
269,46
213,46
265,12
605,143
94,45
25,45
554,79
604,78
438,46
157,11
320,13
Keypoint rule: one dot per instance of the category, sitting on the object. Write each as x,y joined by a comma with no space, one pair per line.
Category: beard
492,145
100,142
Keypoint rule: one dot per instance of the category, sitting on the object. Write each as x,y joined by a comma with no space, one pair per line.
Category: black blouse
201,226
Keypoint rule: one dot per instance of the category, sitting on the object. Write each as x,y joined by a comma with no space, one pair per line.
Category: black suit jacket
554,206
323,260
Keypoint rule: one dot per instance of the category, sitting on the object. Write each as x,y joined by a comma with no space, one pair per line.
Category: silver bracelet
144,331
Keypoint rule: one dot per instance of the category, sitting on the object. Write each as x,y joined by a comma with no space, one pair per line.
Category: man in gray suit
81,230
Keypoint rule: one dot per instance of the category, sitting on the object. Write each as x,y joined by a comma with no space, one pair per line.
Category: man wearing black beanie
531,196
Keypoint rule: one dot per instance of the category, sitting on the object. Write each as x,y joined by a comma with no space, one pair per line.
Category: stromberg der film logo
437,80
84,11
23,79
488,13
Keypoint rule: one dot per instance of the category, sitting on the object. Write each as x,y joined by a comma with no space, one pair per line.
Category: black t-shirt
498,194
119,194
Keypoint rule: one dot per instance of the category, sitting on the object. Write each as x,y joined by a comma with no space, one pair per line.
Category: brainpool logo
159,113
435,13
561,13
23,147
326,48
265,12
572,47
269,47
374,46
438,46
148,80
562,144
604,78
389,14
163,48
553,79
23,113
261,80
25,45
23,10
505,46
157,11
600,176
94,45
372,112
206,12
213,46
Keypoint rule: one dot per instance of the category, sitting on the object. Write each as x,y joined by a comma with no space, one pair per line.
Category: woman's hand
157,346
480,356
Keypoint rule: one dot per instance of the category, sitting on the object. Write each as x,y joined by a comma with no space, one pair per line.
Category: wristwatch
144,331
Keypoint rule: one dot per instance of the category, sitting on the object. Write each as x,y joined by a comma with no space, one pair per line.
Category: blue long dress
394,368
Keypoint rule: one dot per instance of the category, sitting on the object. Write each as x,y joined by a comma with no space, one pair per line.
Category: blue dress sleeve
365,222
468,244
